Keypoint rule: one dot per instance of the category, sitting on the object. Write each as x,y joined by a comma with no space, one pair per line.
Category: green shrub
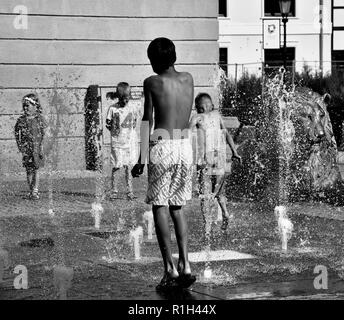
244,98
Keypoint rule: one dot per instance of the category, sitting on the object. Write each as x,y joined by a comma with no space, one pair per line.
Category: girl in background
29,133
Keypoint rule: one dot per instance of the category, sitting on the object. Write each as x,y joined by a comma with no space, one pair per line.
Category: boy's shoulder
40,116
215,114
114,106
21,118
134,104
42,119
186,76
211,119
151,79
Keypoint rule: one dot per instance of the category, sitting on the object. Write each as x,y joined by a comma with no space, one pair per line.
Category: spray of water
285,226
207,273
96,212
121,222
63,277
281,98
148,218
208,203
136,238
4,263
59,123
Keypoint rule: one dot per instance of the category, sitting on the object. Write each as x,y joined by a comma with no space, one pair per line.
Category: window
338,59
274,57
272,8
223,61
222,8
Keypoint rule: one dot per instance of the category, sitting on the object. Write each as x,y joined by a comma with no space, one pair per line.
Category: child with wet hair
212,137
29,133
121,122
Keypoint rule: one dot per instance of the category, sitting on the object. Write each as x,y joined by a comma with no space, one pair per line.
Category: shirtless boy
170,94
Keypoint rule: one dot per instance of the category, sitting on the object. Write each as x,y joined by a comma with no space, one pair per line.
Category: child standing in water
121,122
29,132
170,94
212,136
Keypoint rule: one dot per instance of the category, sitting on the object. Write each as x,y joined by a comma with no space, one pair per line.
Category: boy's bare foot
185,279
168,282
28,196
224,225
183,269
225,221
35,196
113,194
131,196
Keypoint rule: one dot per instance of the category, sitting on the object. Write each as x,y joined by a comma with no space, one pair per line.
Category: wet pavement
104,261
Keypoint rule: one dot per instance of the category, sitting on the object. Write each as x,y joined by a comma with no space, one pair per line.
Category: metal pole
236,76
321,36
285,20
293,75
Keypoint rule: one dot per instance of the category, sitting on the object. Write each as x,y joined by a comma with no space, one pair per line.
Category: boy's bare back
171,96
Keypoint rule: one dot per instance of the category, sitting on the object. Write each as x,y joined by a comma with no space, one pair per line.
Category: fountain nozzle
285,226
148,216
63,277
136,237
4,262
208,273
96,211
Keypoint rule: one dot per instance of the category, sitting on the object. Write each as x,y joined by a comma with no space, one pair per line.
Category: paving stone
253,231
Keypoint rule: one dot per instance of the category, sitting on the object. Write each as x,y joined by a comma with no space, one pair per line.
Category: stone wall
71,44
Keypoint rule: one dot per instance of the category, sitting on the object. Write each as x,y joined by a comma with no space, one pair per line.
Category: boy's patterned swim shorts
170,172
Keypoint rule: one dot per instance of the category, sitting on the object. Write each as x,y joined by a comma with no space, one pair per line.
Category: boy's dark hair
111,95
162,54
120,87
123,85
200,96
115,94
32,98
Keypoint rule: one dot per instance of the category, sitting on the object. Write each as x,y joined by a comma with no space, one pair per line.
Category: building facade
59,48
309,35
338,33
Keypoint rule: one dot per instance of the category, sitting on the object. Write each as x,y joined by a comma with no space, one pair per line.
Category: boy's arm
44,126
201,158
137,114
146,125
230,141
115,121
108,124
17,133
108,121
200,142
193,122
